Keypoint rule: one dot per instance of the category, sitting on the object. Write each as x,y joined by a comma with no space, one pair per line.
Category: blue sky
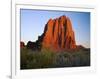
33,23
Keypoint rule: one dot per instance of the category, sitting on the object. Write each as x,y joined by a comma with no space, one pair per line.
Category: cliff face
58,34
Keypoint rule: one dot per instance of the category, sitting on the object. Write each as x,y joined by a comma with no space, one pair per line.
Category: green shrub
48,59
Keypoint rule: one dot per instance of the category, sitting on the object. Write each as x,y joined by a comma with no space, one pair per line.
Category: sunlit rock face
58,34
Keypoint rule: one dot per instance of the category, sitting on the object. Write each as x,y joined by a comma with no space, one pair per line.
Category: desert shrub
81,58
23,58
36,59
48,59
62,59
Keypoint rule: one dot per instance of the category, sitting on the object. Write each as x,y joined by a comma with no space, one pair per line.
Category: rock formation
33,45
22,44
58,34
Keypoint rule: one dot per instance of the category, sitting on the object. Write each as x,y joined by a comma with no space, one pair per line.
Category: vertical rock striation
58,34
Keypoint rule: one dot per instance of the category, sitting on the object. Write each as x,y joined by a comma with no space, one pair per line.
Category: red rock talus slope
58,34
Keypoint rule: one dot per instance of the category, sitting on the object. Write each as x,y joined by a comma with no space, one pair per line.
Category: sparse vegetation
48,59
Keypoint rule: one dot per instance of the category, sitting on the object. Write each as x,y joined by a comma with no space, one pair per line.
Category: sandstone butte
58,34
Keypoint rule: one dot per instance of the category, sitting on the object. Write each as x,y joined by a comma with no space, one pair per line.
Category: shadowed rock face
22,44
33,45
58,34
